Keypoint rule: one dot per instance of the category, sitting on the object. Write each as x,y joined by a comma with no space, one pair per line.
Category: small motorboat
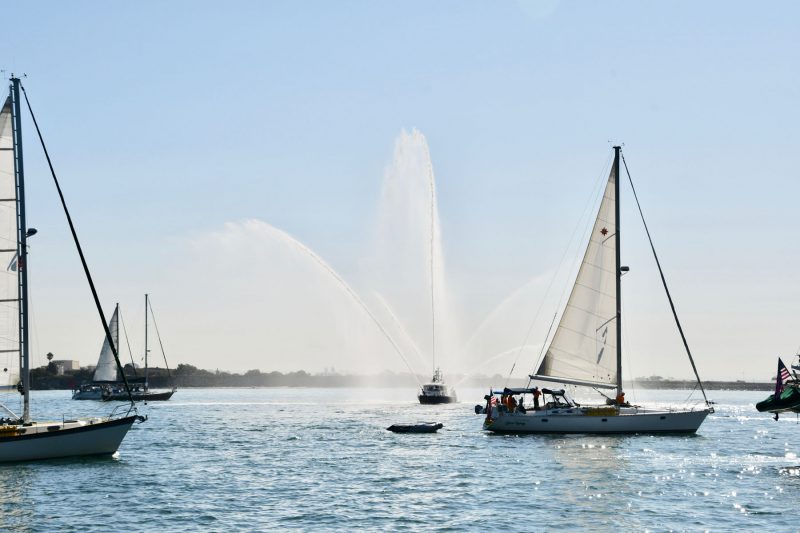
787,392
787,400
426,427
436,391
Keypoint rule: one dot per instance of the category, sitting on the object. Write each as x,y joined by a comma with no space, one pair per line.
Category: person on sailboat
512,404
621,400
536,394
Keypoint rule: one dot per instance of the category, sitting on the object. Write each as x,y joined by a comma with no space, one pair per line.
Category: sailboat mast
618,270
22,252
145,341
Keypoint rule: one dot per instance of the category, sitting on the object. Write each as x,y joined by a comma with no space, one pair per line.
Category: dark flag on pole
783,375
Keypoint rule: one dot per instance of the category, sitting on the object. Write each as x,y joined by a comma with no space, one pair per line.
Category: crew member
621,400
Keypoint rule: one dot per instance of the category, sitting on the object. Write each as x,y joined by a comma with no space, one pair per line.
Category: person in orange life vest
512,403
621,400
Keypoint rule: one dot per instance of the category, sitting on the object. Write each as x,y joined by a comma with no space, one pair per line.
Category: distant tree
185,370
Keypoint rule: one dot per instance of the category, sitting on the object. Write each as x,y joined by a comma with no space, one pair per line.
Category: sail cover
9,269
584,346
107,366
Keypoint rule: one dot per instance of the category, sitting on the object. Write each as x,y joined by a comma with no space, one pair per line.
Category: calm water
315,459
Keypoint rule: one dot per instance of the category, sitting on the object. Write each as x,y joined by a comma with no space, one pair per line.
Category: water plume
408,266
399,325
343,284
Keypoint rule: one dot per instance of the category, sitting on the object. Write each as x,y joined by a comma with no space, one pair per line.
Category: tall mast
116,341
145,342
22,251
618,270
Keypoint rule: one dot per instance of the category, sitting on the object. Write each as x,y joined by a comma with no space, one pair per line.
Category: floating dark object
415,428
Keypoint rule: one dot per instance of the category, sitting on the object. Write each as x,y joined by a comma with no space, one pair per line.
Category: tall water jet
409,268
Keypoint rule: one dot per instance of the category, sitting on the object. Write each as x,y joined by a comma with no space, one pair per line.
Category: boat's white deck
12,430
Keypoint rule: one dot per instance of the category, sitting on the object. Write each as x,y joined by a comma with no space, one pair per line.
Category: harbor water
321,459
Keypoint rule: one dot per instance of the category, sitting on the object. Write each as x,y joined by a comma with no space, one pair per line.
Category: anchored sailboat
583,349
105,373
21,438
141,390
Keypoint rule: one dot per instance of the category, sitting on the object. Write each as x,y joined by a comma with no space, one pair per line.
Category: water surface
316,459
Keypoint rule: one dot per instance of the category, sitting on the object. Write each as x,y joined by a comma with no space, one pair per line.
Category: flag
490,404
783,375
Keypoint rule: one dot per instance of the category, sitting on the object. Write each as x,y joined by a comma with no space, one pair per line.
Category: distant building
68,365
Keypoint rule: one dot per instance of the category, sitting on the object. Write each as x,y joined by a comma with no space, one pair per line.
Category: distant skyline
189,135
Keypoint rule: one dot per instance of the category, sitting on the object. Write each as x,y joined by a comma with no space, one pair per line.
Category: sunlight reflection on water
322,459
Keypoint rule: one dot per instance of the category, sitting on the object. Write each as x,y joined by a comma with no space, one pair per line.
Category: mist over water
408,264
294,309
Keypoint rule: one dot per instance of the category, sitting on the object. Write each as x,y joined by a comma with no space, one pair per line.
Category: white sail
107,366
9,269
584,346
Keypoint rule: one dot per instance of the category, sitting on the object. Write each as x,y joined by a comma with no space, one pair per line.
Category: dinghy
425,427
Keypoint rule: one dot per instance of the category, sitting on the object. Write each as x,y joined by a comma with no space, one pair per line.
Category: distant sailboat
21,438
105,373
141,391
583,349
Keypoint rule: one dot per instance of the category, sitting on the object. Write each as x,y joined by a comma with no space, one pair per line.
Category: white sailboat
21,438
105,373
586,351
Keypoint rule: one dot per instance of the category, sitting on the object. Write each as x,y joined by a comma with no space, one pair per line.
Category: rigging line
598,189
158,335
128,342
664,282
80,252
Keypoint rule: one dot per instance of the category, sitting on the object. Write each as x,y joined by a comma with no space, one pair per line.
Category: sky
192,138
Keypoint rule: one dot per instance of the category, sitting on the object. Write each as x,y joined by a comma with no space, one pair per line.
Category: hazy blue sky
171,123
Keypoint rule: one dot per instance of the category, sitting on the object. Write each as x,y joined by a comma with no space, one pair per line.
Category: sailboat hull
596,420
139,396
63,439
